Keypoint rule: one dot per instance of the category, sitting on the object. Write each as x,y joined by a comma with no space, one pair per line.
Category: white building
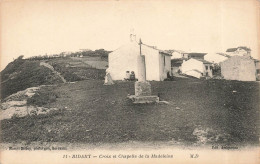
242,68
157,62
177,54
239,51
197,68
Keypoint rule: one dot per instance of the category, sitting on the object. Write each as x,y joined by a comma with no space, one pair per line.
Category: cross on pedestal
143,92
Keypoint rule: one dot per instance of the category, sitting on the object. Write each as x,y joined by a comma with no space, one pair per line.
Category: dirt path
52,69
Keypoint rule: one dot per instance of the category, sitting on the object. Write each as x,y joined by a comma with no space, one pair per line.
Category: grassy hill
76,69
24,73
214,112
21,74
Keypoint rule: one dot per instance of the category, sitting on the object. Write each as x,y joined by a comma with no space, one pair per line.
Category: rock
13,111
22,95
201,134
23,111
178,108
9,104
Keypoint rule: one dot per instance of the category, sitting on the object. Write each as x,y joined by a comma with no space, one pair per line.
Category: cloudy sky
37,27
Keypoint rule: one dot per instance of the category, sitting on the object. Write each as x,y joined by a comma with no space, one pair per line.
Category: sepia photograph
120,81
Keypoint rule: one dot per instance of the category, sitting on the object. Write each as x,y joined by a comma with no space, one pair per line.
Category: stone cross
142,87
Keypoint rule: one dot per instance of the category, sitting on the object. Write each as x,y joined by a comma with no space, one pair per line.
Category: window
207,67
164,60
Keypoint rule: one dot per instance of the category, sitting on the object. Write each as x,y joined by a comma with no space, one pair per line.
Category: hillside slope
76,69
25,73
21,74
200,112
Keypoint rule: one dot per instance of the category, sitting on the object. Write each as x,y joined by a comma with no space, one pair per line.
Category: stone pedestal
144,99
143,93
143,88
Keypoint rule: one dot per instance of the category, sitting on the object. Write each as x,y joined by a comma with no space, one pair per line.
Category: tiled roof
234,49
172,50
231,50
223,54
196,53
196,70
204,61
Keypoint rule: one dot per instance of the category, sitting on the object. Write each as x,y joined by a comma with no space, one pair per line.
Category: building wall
120,59
125,59
208,71
193,73
176,55
196,56
151,63
192,64
164,66
257,65
186,56
241,52
238,68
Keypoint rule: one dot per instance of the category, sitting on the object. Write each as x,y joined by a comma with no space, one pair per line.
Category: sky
38,27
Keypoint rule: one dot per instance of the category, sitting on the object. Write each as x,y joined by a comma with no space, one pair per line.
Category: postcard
120,81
